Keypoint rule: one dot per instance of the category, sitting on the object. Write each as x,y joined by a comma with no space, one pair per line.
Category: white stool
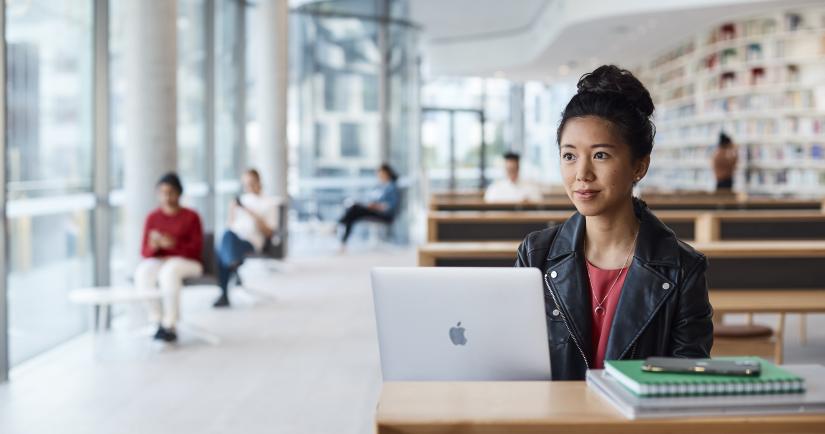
101,298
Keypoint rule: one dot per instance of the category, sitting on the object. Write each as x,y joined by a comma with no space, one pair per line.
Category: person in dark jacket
618,283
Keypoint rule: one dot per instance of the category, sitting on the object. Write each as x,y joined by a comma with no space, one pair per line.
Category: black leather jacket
663,308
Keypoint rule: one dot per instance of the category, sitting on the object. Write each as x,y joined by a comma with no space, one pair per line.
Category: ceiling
555,39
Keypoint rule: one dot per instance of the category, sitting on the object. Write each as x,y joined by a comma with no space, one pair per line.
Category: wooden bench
732,264
749,301
696,225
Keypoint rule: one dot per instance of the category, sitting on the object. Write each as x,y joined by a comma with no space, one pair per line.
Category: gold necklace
599,309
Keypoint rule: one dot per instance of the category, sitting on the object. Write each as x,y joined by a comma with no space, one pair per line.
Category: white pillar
151,108
272,77
4,309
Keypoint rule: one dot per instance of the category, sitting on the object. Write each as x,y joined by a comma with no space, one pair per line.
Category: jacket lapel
645,288
566,276
642,295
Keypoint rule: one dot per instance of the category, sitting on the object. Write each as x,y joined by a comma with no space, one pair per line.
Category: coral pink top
599,286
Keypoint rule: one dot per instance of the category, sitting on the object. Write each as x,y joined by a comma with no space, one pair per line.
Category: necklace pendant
599,310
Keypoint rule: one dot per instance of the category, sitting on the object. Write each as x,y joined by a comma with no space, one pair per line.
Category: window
320,139
369,89
49,160
350,140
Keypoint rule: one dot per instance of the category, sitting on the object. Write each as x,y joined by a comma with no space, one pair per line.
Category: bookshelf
761,80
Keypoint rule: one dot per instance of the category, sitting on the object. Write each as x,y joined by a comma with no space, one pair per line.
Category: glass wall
543,105
50,148
230,77
451,141
336,81
49,161
193,106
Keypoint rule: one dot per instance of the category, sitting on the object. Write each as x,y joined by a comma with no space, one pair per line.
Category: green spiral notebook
772,380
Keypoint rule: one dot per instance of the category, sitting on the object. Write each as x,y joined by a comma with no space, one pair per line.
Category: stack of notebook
640,394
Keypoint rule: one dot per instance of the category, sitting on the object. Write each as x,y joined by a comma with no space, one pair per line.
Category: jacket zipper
564,320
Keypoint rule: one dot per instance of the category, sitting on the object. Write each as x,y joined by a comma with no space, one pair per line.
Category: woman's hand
377,206
166,242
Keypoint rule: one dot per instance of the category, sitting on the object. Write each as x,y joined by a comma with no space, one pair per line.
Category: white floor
306,362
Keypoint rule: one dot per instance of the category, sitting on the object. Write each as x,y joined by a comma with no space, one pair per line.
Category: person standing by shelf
724,163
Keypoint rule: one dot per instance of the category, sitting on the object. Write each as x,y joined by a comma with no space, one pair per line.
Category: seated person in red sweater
171,250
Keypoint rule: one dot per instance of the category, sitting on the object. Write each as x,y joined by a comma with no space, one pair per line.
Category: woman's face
168,196
383,176
251,183
597,167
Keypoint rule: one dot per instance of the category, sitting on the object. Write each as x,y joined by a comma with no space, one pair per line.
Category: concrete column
101,230
382,7
272,77
4,248
517,117
151,111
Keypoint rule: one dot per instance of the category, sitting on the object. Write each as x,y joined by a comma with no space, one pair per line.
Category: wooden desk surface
768,301
711,249
545,407
530,216
665,215
490,216
652,201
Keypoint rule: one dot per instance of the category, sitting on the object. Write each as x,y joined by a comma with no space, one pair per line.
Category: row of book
792,99
787,153
752,52
789,22
753,76
711,129
776,178
800,126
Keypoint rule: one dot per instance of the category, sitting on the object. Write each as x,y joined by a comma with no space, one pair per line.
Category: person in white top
252,220
512,189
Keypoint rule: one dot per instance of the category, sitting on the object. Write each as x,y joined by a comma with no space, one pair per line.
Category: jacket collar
656,245
643,292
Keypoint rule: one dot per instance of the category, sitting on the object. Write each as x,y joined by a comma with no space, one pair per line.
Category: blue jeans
231,254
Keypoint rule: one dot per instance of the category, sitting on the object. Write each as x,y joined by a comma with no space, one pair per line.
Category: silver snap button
665,285
553,274
555,312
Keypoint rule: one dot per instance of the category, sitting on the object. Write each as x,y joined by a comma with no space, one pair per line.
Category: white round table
102,297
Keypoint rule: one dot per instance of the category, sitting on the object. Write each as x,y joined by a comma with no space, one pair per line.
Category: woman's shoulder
190,213
689,255
539,240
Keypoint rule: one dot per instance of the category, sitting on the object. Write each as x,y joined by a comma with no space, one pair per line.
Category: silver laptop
461,324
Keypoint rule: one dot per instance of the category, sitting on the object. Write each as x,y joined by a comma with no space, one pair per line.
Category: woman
251,223
382,206
171,250
618,283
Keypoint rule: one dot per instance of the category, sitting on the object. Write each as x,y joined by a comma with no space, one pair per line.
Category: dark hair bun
610,79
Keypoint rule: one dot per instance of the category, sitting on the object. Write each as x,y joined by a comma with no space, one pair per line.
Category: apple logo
457,335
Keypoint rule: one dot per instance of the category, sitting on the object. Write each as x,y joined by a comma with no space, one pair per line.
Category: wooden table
699,225
768,301
732,264
545,407
657,203
429,252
